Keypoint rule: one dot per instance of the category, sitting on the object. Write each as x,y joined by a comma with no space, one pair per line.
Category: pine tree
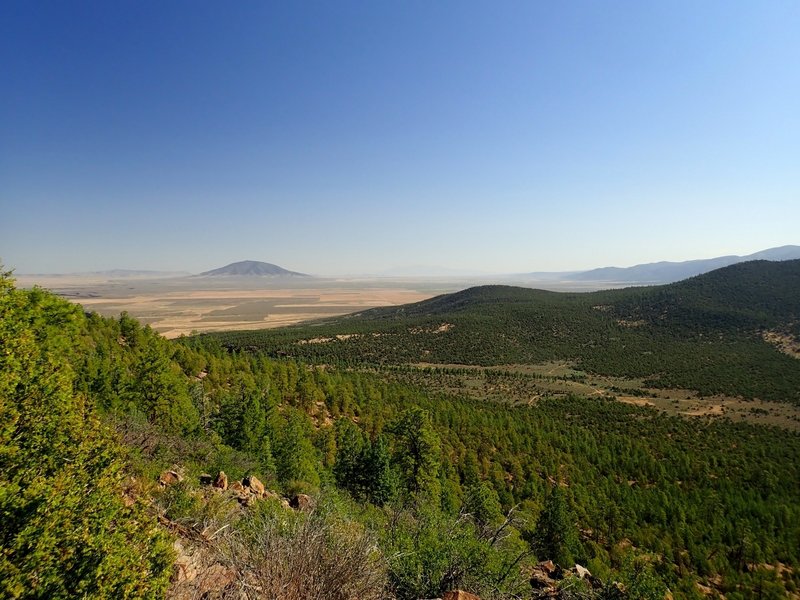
380,480
159,390
350,445
416,454
555,537
254,422
295,455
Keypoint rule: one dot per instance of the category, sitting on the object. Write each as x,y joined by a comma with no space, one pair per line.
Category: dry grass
784,342
284,557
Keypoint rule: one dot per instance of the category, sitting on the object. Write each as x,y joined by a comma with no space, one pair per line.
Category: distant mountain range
669,272
642,274
251,268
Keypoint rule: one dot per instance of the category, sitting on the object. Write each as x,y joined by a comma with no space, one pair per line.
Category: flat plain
176,306
179,306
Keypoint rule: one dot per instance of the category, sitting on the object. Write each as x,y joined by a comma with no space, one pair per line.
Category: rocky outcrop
546,576
256,487
251,489
169,478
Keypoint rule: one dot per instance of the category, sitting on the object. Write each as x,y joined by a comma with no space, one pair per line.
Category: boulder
254,484
221,481
543,578
540,581
196,574
169,478
241,493
245,499
582,572
459,595
547,566
302,502
206,479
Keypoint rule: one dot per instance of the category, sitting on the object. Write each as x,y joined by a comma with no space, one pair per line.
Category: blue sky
338,137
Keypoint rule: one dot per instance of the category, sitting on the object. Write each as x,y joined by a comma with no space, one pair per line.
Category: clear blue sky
333,137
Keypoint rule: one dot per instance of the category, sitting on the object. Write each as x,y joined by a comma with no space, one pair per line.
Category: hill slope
251,268
706,333
647,500
669,272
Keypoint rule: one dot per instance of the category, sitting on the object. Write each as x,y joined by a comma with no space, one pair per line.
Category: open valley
179,306
176,306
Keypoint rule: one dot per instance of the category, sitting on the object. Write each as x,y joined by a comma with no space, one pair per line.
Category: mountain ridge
670,272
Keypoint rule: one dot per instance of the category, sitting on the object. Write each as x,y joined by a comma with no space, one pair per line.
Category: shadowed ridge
457,301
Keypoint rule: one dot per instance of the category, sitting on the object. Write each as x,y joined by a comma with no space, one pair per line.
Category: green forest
704,334
417,490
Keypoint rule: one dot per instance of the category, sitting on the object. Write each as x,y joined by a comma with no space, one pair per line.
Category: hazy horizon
421,271
363,138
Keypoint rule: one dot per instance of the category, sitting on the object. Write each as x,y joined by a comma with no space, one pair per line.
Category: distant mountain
669,272
251,268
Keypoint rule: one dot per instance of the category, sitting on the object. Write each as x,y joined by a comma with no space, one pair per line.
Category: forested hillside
65,530
705,333
423,492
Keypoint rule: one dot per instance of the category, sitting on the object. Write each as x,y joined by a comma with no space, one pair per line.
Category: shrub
292,556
